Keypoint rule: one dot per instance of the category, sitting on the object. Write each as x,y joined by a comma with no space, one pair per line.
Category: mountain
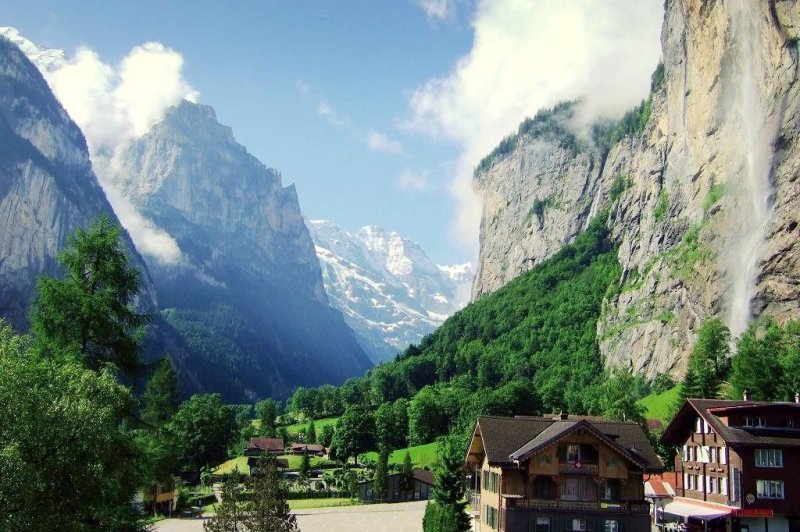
248,293
47,191
700,185
387,288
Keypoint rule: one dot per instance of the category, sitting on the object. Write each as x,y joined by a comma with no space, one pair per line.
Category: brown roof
312,447
508,439
711,409
265,444
424,476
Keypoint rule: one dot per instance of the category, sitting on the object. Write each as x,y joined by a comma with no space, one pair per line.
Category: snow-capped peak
46,59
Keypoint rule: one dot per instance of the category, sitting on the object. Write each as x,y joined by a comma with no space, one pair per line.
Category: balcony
627,507
578,469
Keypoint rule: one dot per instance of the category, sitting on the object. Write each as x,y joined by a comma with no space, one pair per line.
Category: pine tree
231,511
380,482
446,512
305,465
160,397
407,474
90,313
268,510
311,433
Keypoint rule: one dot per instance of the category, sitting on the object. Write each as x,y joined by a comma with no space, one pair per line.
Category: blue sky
375,109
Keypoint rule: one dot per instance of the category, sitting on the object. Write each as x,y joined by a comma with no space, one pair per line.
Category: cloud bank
530,54
114,105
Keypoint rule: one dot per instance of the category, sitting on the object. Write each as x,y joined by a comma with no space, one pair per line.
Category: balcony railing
631,507
578,469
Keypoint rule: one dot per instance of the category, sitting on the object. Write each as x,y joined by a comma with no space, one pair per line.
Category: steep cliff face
703,199
47,190
387,288
248,292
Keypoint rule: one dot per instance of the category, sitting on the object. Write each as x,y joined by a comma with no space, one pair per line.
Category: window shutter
700,479
723,455
723,486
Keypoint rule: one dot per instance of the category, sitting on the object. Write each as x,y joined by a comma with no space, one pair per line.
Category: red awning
686,508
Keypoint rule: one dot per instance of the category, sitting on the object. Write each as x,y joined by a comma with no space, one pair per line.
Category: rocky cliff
248,292
387,288
47,190
700,182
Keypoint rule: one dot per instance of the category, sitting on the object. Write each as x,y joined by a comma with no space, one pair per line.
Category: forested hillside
529,347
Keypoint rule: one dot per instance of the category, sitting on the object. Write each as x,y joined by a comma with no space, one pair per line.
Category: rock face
387,288
248,293
703,200
47,190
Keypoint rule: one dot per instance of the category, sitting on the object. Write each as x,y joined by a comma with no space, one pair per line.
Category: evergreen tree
160,397
90,313
305,465
445,513
380,482
267,412
231,511
268,510
407,474
757,363
311,433
618,397
327,435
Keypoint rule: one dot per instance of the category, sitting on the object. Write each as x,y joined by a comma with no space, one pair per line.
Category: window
690,484
769,489
490,480
685,453
573,453
490,516
611,526
578,524
544,488
704,454
754,421
723,486
712,455
769,458
711,482
698,425
723,455
611,490
542,524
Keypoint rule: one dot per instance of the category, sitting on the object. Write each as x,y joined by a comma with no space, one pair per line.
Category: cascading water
754,136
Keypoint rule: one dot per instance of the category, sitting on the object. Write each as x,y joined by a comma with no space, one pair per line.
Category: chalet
259,446
737,464
422,490
560,473
313,449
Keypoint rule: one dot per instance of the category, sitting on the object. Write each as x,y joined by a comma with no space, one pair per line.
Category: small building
737,465
255,470
258,446
560,473
423,487
158,499
313,449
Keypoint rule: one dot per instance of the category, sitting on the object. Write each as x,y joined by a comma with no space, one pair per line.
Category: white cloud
302,87
527,55
380,142
325,111
114,105
439,9
413,181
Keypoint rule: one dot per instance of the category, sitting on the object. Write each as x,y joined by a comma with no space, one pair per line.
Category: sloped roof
508,439
265,444
711,410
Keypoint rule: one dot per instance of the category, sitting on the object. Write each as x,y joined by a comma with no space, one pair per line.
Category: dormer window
750,421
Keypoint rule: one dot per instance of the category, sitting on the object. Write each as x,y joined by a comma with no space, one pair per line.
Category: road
399,517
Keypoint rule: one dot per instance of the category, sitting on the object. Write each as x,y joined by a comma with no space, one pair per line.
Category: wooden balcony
626,507
578,469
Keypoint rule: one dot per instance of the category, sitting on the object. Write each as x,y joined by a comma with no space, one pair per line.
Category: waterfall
753,136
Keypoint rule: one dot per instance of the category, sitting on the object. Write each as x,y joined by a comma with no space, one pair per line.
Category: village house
259,446
313,449
737,465
421,491
560,473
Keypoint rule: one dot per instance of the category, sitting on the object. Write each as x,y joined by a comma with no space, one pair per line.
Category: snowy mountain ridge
390,292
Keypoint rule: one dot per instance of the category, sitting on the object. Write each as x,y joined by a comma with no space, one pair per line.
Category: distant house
423,487
560,473
738,465
158,499
258,446
313,449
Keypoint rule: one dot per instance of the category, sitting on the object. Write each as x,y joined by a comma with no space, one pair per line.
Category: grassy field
295,459
297,427
299,504
421,455
659,406
239,462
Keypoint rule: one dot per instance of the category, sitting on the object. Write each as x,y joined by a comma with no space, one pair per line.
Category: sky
376,110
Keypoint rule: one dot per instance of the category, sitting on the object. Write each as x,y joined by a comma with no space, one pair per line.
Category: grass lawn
659,406
239,462
295,459
294,429
421,455
299,504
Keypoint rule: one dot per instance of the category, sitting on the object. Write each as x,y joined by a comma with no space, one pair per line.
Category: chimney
561,416
746,395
